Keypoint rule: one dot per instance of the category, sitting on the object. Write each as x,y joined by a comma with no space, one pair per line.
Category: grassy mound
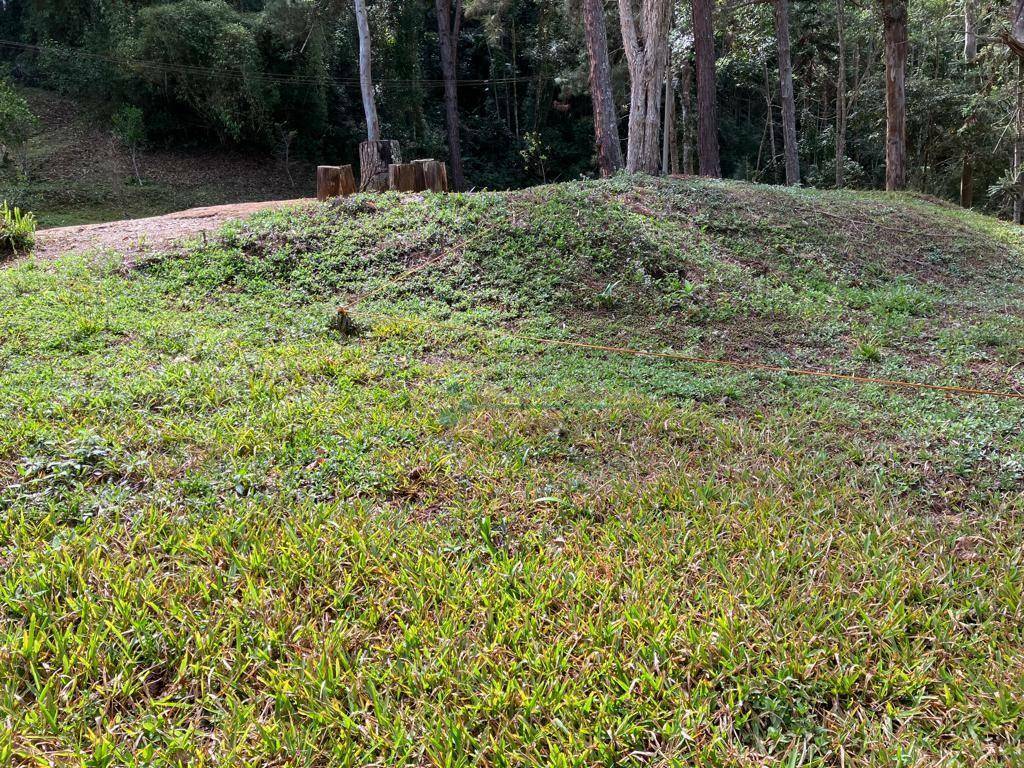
232,534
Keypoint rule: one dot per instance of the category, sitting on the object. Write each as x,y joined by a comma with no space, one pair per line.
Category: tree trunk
366,73
448,26
686,87
967,181
841,96
668,135
1015,37
375,157
646,46
707,109
1018,146
606,124
970,30
894,18
770,122
786,92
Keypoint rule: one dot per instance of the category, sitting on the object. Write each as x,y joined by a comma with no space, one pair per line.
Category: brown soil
134,237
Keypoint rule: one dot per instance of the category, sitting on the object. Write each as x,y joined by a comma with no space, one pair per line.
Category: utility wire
273,77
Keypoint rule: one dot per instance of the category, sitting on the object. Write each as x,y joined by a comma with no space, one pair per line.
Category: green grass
230,535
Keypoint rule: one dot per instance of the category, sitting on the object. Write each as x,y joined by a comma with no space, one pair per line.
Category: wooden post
417,165
374,159
334,181
347,184
402,177
435,175
328,181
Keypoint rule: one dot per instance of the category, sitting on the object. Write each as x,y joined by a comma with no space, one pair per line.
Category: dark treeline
792,84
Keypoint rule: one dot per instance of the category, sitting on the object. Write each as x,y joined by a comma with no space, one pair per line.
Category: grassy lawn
231,535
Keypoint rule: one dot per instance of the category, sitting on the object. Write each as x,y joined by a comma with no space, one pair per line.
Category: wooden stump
402,178
334,181
435,175
347,184
328,181
375,158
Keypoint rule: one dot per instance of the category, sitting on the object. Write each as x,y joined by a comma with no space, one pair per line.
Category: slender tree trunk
970,30
448,27
786,92
646,46
668,135
841,96
686,88
894,17
967,180
707,109
770,122
606,124
1018,145
366,73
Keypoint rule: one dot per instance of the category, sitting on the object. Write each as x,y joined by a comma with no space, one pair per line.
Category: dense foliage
271,73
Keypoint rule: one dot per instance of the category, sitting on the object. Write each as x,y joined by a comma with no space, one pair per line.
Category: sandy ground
136,236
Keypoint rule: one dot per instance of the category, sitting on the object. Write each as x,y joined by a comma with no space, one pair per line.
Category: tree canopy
250,72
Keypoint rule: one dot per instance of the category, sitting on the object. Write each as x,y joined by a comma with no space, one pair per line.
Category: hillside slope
78,173
232,532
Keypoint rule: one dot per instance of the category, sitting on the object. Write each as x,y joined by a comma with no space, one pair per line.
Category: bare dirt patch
134,237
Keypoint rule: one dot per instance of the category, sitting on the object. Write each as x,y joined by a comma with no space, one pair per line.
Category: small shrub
17,230
868,352
130,129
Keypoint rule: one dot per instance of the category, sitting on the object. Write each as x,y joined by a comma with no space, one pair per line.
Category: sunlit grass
230,536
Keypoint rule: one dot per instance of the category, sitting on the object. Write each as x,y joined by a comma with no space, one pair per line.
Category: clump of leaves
607,299
868,352
17,230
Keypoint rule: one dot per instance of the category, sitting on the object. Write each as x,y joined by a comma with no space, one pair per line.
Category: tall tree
606,124
786,92
707,108
669,145
841,95
449,23
686,99
894,20
1018,146
366,73
970,30
645,40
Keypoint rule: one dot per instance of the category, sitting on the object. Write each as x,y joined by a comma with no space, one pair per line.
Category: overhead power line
234,72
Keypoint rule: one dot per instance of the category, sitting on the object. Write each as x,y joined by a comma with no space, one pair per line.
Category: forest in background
282,77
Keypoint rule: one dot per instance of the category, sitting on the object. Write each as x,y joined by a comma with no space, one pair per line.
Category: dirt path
136,236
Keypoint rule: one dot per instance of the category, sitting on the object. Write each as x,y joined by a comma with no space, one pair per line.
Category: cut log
421,184
334,181
328,181
435,175
402,177
375,157
347,182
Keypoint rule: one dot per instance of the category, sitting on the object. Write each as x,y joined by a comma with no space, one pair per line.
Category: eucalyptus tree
645,40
